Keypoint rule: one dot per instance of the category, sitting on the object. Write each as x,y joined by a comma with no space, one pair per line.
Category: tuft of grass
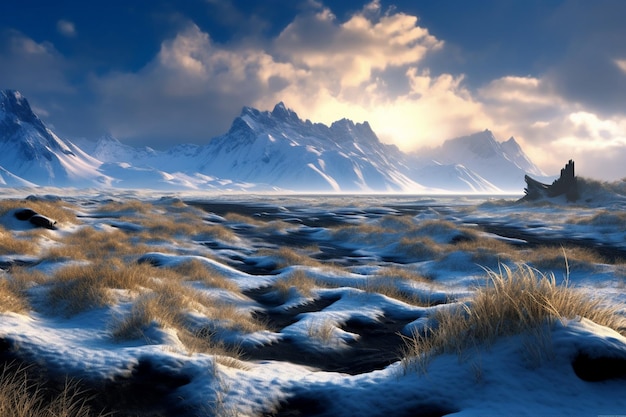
60,211
486,250
322,330
419,248
23,396
558,257
77,288
9,244
516,301
12,299
290,257
396,283
89,244
195,270
298,280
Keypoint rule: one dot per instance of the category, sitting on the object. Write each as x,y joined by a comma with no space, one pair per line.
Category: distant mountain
277,148
503,163
261,151
32,153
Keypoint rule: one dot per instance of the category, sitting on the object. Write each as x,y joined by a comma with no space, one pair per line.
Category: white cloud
66,28
370,66
553,129
621,64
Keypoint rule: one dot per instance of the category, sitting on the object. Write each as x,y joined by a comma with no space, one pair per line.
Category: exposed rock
43,221
566,185
35,218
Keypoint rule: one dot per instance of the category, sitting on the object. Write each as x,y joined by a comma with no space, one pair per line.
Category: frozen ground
333,345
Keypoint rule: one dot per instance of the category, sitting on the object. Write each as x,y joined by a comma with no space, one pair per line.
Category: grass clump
299,281
516,301
11,245
77,288
23,396
59,210
195,270
12,299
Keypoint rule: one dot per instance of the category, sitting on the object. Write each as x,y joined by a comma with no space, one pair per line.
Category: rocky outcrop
566,185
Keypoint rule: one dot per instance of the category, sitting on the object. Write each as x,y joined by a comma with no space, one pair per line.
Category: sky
551,73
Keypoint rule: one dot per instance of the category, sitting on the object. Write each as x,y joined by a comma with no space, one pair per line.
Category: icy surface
499,379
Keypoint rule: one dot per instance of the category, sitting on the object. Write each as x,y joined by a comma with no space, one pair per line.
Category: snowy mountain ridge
262,151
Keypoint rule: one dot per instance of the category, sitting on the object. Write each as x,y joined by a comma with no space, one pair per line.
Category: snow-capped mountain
32,153
504,164
277,148
262,150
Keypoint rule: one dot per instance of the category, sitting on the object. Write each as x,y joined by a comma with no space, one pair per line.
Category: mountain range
262,151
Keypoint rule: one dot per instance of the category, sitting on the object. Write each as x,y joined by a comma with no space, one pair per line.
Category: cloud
66,28
554,129
370,65
318,65
32,66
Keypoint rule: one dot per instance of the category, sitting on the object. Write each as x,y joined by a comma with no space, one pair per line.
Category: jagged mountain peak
16,109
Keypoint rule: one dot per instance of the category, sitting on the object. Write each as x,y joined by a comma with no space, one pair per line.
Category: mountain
32,153
262,151
503,163
277,148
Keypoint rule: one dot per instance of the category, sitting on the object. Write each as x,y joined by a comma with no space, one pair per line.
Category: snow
262,151
507,377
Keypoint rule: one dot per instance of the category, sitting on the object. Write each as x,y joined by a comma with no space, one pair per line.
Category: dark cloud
593,37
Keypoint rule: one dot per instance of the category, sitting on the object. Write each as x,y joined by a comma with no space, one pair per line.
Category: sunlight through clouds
372,64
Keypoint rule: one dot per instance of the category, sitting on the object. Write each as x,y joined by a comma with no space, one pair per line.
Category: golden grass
558,257
168,302
23,396
517,301
77,288
134,206
90,244
195,270
11,298
60,211
419,248
298,280
485,250
289,257
9,244
395,282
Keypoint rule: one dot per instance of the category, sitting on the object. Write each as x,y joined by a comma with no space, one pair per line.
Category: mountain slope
32,152
503,164
262,151
279,149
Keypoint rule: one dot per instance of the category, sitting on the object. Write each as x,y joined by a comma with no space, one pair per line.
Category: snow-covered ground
333,348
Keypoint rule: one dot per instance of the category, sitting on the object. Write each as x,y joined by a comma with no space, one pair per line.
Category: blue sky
161,72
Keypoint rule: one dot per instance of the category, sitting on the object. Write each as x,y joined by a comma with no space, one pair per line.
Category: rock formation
566,185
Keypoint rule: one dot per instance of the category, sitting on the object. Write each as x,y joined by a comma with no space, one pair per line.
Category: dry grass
12,299
168,303
124,207
298,280
57,210
518,301
9,244
419,248
558,257
396,283
23,396
289,257
195,270
89,244
77,288
485,250
322,330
